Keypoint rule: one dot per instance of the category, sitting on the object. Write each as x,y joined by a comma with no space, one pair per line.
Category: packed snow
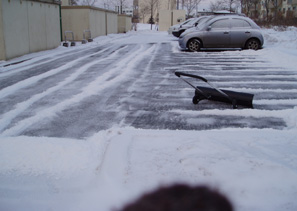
255,168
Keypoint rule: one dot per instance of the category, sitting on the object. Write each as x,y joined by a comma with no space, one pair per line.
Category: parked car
223,31
176,26
192,23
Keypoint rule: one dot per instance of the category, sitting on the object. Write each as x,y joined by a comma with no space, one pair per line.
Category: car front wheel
194,45
252,44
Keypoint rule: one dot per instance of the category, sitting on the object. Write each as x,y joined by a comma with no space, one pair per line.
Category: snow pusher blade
215,94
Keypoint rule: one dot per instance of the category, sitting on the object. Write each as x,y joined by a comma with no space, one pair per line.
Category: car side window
220,24
238,23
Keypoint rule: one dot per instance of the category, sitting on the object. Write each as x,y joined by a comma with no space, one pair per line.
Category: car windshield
186,22
203,22
192,21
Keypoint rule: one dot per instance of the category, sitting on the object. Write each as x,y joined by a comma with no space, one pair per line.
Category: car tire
194,45
252,44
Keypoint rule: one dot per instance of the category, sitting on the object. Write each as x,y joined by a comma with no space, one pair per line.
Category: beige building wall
75,19
165,17
162,5
28,26
168,18
15,28
112,23
80,18
98,23
65,2
124,23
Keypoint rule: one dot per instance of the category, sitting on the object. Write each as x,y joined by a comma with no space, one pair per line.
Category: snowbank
255,168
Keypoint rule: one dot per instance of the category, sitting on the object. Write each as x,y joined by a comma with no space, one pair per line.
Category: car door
240,32
218,34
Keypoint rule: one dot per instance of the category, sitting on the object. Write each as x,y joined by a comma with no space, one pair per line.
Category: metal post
61,32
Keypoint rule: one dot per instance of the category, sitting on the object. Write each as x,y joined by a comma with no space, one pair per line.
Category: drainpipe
60,13
106,22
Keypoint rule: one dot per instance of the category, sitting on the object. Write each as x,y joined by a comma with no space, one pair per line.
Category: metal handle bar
178,74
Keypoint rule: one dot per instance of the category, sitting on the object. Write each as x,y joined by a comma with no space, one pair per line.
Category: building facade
268,9
148,10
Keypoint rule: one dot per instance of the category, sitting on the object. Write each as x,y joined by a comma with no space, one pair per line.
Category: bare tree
218,5
255,4
276,5
121,4
266,6
144,12
106,4
230,5
190,6
246,6
152,7
118,5
197,2
182,4
89,2
73,2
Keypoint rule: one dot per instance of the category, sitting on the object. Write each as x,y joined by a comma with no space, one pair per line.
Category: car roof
218,17
225,12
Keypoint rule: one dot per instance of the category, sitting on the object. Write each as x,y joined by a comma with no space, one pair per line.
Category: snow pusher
214,94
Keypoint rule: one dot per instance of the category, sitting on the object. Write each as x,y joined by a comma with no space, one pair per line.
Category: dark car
226,31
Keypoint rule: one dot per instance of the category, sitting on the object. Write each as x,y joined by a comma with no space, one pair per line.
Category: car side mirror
208,28
196,24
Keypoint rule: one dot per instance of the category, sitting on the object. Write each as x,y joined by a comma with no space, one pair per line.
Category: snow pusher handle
178,74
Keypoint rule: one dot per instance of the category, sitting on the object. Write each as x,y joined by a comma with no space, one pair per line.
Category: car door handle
226,32
247,32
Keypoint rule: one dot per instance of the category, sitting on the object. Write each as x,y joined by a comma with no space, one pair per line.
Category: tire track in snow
7,118
122,69
267,80
33,80
45,59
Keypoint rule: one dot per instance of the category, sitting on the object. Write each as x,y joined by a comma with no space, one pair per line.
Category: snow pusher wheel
195,100
234,104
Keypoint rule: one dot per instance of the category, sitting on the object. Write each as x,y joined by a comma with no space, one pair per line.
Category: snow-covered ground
255,168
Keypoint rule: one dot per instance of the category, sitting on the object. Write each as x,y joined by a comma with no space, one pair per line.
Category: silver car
177,26
194,22
226,31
